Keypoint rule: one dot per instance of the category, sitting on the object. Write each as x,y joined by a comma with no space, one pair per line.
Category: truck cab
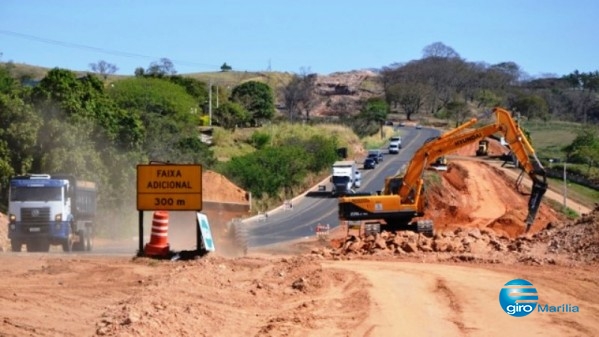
47,210
345,177
395,140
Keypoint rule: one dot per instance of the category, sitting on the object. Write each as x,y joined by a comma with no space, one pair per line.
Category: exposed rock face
342,93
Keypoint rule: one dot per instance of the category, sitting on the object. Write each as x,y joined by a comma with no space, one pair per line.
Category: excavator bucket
538,190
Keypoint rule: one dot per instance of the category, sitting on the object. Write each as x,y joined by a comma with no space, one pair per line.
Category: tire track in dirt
443,290
418,299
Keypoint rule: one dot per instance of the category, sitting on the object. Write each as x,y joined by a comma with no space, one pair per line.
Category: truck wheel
80,245
67,245
425,227
15,245
240,237
89,243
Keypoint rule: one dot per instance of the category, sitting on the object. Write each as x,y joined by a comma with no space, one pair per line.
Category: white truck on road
394,145
345,177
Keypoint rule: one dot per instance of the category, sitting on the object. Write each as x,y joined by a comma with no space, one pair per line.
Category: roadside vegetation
99,126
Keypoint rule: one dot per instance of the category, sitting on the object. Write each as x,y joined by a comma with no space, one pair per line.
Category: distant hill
232,78
334,94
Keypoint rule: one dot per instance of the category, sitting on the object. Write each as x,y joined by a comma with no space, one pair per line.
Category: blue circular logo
518,298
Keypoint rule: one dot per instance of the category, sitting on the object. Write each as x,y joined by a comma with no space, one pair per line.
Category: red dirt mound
474,194
456,176
217,188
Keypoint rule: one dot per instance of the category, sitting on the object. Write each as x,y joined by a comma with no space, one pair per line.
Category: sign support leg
198,235
141,233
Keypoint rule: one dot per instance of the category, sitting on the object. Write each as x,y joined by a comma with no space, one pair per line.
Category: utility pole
565,185
210,102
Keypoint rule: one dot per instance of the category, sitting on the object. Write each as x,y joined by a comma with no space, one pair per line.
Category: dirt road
43,295
406,285
417,299
551,194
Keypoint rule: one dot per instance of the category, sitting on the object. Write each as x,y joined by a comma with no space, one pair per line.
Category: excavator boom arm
438,147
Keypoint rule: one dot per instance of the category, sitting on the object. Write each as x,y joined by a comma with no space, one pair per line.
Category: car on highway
377,155
394,148
418,126
395,140
369,164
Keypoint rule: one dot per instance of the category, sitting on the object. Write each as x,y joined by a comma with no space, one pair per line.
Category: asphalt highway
313,208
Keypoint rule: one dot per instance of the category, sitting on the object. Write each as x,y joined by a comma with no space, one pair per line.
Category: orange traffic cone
158,244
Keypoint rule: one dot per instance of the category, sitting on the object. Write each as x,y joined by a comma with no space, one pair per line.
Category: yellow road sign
169,187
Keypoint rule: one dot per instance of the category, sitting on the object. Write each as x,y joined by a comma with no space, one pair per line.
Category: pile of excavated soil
217,188
477,210
571,242
223,202
578,239
474,194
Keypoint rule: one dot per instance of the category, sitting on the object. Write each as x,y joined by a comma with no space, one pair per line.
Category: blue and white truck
45,210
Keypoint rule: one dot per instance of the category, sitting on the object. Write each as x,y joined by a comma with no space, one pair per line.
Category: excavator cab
392,185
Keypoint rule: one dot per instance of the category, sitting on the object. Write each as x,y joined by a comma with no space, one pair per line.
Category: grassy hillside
233,78
229,78
548,138
230,144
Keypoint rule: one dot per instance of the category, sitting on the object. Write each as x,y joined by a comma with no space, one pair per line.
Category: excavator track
425,227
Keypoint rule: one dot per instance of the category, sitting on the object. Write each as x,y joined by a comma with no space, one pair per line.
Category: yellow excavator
402,197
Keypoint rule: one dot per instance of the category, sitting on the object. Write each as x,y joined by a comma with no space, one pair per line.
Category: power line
99,50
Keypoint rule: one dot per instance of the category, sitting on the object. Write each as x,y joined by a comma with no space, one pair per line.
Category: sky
544,37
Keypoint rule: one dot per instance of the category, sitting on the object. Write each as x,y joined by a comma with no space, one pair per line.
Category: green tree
103,68
584,148
267,171
298,94
7,83
257,98
225,67
458,111
68,148
321,151
154,95
19,126
229,115
62,95
531,106
195,88
161,68
372,117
